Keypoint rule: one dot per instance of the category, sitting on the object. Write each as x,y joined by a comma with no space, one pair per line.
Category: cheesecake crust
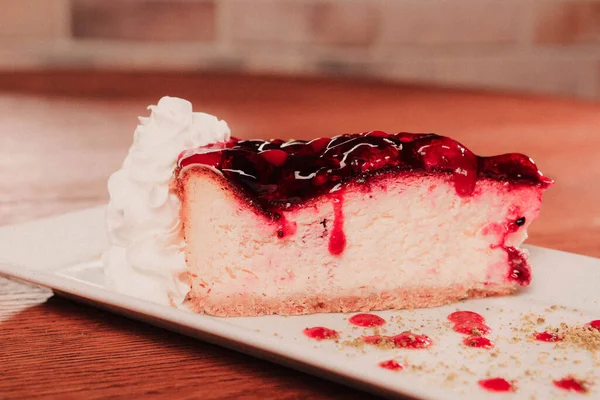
250,305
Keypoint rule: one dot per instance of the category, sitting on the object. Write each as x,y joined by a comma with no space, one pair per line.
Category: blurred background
500,76
534,46
74,74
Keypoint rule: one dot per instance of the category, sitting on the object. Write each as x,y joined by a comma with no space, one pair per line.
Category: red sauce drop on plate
497,385
411,341
337,240
459,317
321,333
366,320
472,328
391,365
595,324
547,337
479,342
469,323
571,384
404,340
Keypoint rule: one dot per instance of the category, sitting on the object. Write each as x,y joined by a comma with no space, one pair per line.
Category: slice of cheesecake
357,222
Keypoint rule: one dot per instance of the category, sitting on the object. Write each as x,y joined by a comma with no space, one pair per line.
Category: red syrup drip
284,227
459,317
595,324
518,271
445,153
570,384
547,337
392,365
337,239
497,385
366,320
478,342
321,333
404,340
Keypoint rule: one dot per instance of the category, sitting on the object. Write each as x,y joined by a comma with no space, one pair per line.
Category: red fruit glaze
459,317
571,384
595,324
497,385
312,168
472,328
275,157
479,342
284,227
547,337
405,340
366,320
391,365
321,333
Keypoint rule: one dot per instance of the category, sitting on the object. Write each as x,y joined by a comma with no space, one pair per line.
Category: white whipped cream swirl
145,258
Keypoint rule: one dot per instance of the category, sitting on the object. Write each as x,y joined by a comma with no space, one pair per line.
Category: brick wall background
543,46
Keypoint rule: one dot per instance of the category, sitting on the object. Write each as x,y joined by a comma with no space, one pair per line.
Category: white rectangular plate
62,253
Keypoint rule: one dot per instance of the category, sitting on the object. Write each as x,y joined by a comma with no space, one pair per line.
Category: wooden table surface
63,133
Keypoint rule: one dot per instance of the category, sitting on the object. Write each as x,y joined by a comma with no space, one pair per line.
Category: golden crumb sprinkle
585,337
357,343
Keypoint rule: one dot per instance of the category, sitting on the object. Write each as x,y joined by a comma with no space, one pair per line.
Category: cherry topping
497,385
275,157
479,342
366,320
210,158
511,166
319,145
391,365
378,134
595,324
321,333
275,172
571,384
547,337
448,155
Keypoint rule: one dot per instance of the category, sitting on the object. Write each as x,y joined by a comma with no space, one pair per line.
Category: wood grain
63,133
